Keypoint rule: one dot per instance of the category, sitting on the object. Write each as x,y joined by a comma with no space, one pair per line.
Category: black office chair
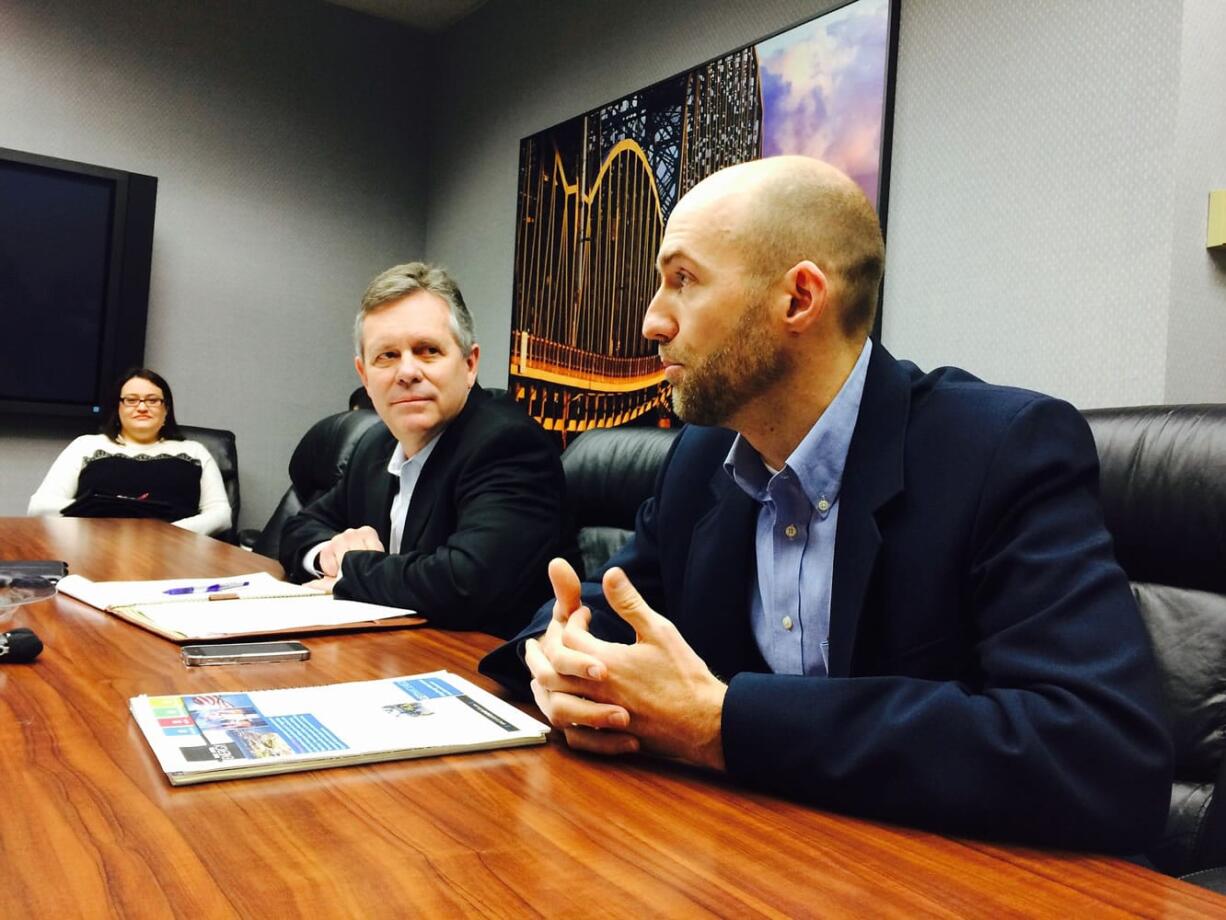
317,463
222,445
609,473
1163,484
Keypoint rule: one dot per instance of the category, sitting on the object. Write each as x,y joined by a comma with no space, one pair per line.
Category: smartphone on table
52,570
244,653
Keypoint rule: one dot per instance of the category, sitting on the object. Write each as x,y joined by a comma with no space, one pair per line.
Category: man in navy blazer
453,506
935,634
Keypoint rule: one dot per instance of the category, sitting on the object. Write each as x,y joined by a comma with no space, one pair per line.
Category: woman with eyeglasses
138,466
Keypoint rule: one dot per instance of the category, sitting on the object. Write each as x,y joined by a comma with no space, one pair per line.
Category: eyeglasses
153,402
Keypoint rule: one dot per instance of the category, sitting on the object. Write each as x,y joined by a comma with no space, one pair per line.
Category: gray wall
518,66
1196,345
1050,167
1048,162
290,153
1031,211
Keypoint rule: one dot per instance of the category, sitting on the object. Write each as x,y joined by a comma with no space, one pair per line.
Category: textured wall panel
540,64
289,145
1196,349
1030,202
1030,207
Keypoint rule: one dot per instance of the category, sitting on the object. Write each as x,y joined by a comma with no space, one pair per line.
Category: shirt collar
399,460
818,460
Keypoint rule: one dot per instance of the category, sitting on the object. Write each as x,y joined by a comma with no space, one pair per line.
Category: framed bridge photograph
596,191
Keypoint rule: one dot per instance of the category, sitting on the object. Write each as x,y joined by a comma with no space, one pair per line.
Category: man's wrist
709,711
310,561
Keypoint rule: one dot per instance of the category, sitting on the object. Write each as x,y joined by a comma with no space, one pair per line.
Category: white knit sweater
59,487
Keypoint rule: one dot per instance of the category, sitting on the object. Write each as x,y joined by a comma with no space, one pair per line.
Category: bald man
879,590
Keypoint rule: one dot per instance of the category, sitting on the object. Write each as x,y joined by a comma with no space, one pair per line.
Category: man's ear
360,367
809,290
473,361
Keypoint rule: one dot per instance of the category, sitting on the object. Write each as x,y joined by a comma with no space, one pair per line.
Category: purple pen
207,589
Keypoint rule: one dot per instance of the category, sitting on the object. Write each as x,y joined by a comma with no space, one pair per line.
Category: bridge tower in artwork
594,195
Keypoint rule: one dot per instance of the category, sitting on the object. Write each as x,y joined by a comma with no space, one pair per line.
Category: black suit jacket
487,514
989,671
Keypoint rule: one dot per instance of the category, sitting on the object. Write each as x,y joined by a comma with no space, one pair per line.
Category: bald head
783,210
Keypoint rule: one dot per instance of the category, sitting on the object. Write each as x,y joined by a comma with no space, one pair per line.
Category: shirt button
787,623
790,530
823,506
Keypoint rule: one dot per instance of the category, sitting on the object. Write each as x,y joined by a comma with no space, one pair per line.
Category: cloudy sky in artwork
823,90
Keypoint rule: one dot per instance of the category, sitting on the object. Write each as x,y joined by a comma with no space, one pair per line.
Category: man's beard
745,366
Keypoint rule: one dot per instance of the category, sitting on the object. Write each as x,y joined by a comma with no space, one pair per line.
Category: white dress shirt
407,470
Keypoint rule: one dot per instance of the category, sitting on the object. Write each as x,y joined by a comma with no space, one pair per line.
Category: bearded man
882,591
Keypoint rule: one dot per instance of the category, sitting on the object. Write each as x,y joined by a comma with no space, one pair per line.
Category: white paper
231,734
264,605
225,618
104,594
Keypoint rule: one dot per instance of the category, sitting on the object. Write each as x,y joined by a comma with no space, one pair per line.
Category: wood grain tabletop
90,826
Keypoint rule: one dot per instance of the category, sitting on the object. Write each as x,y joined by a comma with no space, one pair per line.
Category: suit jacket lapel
378,486
718,579
428,491
872,476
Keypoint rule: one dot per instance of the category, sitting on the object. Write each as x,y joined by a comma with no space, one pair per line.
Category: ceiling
427,15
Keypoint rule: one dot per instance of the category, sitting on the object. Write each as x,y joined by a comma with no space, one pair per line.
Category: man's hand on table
656,695
333,552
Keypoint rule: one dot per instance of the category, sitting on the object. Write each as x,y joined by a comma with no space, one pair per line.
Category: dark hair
111,426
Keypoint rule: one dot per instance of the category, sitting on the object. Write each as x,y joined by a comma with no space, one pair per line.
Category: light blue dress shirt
408,471
797,521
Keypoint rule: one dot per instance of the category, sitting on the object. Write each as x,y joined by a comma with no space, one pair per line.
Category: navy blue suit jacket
990,674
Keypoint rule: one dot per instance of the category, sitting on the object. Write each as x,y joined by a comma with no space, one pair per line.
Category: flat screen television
76,242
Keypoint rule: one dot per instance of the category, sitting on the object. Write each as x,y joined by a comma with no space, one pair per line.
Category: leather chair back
1163,483
1163,486
222,445
609,473
317,463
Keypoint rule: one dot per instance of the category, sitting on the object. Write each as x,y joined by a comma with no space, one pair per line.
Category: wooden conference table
90,827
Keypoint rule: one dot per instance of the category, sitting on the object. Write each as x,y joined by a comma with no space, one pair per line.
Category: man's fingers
609,743
579,649
566,588
369,539
562,668
626,601
542,698
568,709
332,556
580,621
365,537
327,561
356,538
537,661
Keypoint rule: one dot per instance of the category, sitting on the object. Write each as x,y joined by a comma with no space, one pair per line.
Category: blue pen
208,589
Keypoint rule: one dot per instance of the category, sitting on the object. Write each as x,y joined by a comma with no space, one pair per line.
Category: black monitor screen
55,259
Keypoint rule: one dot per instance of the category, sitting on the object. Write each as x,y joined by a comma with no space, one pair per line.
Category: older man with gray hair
453,506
